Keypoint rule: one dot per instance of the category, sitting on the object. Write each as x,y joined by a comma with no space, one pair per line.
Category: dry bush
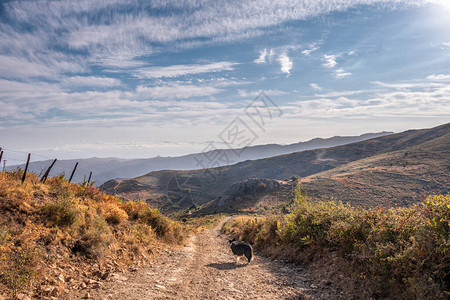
402,252
112,213
94,238
62,212
17,262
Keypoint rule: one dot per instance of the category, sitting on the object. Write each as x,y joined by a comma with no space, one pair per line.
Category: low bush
62,212
112,213
403,252
18,269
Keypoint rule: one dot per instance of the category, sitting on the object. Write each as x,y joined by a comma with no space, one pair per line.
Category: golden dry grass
62,224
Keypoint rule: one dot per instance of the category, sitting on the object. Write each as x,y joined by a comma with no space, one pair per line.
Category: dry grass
57,224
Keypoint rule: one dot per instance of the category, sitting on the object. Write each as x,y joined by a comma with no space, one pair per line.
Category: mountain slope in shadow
105,169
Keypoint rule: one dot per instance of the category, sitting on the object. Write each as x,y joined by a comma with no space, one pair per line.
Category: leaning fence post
1,155
44,178
73,172
26,168
90,174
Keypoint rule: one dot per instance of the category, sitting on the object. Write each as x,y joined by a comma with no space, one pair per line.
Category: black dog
240,249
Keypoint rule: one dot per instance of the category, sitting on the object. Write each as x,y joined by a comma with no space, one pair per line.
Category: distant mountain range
395,169
105,169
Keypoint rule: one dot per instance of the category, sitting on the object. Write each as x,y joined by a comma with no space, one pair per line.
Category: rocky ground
206,269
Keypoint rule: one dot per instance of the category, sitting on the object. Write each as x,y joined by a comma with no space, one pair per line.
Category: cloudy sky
140,79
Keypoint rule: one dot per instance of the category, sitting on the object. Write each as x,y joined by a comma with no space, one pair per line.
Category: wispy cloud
182,70
410,85
329,61
46,67
262,57
86,63
313,48
271,55
253,94
340,73
286,63
416,99
90,81
176,91
439,77
315,86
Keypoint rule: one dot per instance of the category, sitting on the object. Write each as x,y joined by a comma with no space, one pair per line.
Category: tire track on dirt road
206,269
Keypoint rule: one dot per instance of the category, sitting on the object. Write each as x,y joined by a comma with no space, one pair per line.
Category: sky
136,79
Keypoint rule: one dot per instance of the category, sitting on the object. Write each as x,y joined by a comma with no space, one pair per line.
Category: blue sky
136,79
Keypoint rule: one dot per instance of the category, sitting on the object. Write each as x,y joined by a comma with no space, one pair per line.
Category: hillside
412,162
105,169
60,239
375,253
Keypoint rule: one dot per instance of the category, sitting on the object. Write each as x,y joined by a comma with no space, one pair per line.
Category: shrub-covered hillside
56,238
399,253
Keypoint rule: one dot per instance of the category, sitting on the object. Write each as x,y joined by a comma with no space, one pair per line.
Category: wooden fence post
90,175
73,172
26,168
1,155
44,178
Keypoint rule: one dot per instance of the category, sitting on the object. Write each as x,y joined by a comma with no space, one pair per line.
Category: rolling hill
399,168
105,169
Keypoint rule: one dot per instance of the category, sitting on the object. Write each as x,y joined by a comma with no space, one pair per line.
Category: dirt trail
205,269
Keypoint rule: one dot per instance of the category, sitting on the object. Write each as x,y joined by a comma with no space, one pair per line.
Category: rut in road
206,269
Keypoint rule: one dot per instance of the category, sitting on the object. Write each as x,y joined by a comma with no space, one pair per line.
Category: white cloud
286,63
410,85
262,57
345,93
271,55
177,91
118,61
340,73
182,70
387,104
91,81
253,94
48,67
329,61
439,77
315,86
313,48
414,99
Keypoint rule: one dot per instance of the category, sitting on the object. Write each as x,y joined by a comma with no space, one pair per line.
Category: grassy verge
53,234
399,253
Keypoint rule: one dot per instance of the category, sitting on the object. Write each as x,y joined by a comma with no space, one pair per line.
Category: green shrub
94,238
62,212
401,251
18,270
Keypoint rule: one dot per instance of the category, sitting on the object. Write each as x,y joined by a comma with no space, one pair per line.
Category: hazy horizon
20,156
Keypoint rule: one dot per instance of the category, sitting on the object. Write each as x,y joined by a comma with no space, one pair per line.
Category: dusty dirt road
206,269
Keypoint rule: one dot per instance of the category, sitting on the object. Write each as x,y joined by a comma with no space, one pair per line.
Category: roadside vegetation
401,253
57,235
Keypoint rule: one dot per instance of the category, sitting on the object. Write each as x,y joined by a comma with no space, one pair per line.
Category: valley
397,169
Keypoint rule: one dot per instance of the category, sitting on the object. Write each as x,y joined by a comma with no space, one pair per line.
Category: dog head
231,241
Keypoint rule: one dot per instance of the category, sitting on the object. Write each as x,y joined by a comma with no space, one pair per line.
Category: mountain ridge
428,149
105,169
